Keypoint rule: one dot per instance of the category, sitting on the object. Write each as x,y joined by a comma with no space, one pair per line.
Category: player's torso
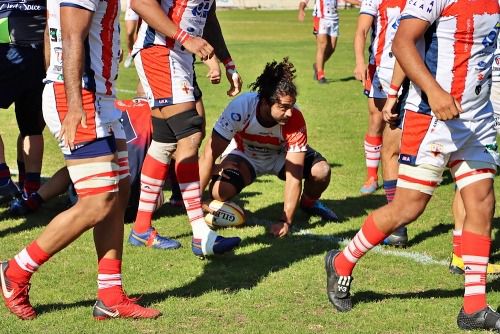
22,21
458,50
102,47
385,24
326,9
189,15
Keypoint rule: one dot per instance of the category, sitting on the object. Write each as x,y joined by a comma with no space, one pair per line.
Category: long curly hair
276,80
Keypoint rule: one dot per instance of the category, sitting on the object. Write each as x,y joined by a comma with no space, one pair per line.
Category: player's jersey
325,9
386,14
239,124
189,15
22,21
495,67
102,45
457,50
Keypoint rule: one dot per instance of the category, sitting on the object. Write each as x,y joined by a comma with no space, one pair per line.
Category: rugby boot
398,238
337,287
22,205
127,308
486,318
369,187
322,81
321,210
219,246
457,266
9,191
16,296
152,239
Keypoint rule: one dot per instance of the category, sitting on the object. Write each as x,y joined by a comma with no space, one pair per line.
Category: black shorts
312,158
22,71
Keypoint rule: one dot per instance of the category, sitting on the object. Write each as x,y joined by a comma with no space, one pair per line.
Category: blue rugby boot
152,239
219,245
321,210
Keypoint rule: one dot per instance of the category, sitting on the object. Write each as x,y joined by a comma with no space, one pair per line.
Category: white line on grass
128,91
414,256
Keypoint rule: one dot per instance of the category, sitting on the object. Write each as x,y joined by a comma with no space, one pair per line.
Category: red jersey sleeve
295,133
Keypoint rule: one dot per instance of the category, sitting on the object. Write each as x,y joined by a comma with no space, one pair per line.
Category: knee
98,207
405,213
321,172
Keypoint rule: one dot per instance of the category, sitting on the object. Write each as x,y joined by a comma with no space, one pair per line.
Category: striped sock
109,281
373,144
153,174
189,183
368,237
26,262
390,189
457,242
475,253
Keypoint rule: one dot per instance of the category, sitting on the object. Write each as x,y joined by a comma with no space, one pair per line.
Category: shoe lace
22,297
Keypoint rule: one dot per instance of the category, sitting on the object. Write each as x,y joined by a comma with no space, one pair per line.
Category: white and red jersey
386,14
457,50
495,67
239,124
102,47
189,15
325,9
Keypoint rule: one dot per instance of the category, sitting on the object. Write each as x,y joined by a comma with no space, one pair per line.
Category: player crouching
264,132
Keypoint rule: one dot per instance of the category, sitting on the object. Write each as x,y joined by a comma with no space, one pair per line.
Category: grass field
268,285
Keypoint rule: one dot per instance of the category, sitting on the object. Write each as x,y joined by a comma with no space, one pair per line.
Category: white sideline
414,256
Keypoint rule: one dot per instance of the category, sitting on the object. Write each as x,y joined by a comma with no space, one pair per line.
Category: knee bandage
162,151
123,168
231,176
468,172
94,178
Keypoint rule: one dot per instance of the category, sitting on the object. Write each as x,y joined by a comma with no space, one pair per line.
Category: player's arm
213,70
75,26
151,12
365,22
294,167
411,31
46,47
214,147
213,34
398,76
302,10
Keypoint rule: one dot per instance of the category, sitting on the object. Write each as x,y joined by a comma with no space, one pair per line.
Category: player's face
281,110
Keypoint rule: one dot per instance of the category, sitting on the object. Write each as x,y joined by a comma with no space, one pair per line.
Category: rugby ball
224,214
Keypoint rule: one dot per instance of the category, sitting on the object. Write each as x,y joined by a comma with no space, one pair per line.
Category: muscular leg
321,46
319,180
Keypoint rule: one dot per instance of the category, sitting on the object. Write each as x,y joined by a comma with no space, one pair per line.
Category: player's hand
301,16
360,73
70,124
199,47
388,113
214,74
280,229
235,82
443,105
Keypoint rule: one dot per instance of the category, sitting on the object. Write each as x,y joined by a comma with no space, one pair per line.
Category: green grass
268,285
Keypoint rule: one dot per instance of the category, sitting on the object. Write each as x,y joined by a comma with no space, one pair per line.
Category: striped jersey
386,14
239,123
458,50
325,9
189,15
102,46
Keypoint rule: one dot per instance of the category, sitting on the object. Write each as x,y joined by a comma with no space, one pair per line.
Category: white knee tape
162,151
94,178
468,172
424,178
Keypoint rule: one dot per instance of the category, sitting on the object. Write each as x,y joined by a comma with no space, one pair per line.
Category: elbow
135,5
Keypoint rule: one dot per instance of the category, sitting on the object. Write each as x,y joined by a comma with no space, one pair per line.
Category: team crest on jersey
185,87
436,149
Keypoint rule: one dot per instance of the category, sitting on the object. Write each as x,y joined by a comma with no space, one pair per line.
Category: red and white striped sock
457,242
153,175
368,237
109,281
373,144
475,253
26,262
189,182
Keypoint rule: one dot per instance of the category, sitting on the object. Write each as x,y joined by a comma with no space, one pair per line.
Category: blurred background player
78,106
326,30
382,18
264,132
448,122
22,26
131,25
163,57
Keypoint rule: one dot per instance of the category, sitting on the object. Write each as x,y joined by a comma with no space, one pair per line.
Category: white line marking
129,91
